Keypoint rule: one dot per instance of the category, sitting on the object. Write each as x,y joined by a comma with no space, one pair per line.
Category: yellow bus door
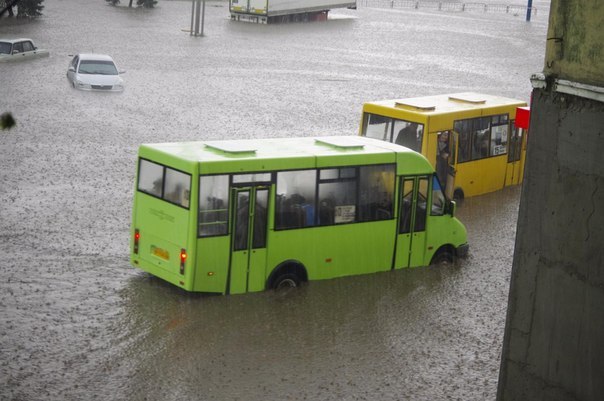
514,170
450,184
248,249
411,237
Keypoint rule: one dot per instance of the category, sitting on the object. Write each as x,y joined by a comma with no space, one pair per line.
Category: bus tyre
443,256
458,195
288,280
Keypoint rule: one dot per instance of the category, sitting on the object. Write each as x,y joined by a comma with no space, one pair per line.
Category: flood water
77,322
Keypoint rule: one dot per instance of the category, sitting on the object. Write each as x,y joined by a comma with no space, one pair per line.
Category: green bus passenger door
248,255
411,237
418,230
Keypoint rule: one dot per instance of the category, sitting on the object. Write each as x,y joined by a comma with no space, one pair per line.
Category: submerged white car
94,72
19,49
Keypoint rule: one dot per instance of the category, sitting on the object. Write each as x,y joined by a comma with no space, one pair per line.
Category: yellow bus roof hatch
468,97
416,104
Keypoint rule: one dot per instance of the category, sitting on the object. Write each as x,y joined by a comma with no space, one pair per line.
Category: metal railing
448,6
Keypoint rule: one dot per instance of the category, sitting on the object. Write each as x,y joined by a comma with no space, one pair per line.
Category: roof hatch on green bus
232,147
340,143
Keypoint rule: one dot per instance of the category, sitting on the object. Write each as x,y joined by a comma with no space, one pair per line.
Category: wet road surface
77,322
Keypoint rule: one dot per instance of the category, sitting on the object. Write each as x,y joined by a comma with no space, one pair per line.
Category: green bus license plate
160,253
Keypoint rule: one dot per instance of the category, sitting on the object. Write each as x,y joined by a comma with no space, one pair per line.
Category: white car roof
92,56
14,40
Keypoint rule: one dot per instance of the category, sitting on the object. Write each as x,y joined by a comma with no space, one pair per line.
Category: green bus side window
151,178
213,205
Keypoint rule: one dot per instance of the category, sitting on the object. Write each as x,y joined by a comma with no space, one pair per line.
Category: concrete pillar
554,337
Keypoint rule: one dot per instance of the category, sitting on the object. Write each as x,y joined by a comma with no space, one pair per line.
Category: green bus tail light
137,236
183,259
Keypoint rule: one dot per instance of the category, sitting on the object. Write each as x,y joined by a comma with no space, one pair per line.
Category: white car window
27,46
100,67
5,48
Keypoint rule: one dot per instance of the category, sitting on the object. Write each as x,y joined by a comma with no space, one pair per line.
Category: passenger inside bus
410,135
442,157
157,187
241,223
327,211
294,211
179,195
481,143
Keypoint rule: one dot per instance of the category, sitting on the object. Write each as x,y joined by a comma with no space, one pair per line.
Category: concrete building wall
554,337
575,41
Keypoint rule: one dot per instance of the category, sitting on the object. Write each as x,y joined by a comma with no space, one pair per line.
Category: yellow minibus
469,138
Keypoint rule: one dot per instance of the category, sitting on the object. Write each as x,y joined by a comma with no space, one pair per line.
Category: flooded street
77,322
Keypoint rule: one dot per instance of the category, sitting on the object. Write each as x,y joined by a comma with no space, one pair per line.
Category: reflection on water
77,322
326,339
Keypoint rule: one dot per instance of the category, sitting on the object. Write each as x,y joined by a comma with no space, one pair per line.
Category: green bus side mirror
451,208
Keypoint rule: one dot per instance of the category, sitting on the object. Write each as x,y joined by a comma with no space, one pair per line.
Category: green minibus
240,216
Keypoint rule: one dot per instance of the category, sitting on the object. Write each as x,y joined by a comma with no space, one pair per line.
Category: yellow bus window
408,134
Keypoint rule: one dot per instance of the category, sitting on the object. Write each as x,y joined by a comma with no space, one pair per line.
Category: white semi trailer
270,11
